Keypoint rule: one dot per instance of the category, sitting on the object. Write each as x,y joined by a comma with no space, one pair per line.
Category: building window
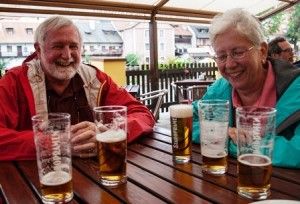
147,60
9,48
25,49
29,31
103,48
162,46
147,34
92,48
161,33
147,46
10,31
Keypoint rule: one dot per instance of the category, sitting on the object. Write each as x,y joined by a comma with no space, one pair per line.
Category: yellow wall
113,67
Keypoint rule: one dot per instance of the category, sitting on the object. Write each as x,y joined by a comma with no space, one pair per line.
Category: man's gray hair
53,23
245,23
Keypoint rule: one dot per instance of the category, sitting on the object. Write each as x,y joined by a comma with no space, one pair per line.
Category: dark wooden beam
73,13
278,10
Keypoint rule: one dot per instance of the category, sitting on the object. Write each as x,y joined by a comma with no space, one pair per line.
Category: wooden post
153,53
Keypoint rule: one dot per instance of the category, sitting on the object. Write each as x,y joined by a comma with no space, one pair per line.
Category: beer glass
213,115
255,136
111,123
54,157
181,118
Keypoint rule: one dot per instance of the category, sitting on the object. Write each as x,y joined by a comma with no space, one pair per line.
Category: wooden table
152,178
192,82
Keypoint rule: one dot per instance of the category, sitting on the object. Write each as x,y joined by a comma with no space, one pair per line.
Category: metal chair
196,92
180,94
153,100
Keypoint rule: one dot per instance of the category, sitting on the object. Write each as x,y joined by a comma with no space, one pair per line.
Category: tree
132,59
293,32
272,24
3,64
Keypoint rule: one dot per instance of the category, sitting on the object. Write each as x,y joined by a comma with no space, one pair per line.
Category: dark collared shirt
72,100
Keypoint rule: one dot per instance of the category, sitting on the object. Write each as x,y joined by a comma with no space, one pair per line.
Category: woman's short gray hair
53,23
243,21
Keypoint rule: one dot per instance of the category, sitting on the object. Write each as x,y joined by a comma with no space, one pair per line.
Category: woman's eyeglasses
235,54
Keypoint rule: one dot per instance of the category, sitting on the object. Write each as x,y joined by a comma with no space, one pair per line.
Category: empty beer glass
111,122
181,118
53,150
255,136
213,115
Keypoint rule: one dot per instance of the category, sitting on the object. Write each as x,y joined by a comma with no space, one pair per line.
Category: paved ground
164,120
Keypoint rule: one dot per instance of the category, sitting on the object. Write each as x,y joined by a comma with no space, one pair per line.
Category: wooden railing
139,75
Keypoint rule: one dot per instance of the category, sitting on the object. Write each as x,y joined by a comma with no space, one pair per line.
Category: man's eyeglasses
235,54
287,50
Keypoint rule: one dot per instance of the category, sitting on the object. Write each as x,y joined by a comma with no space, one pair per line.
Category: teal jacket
286,151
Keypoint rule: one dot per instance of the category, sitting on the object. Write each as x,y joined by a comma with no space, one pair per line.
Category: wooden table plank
158,186
90,192
128,193
276,188
196,186
14,187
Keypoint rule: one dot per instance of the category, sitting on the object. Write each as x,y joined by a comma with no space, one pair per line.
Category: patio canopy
186,11
193,11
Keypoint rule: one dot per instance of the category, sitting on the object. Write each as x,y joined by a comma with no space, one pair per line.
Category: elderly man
280,48
53,79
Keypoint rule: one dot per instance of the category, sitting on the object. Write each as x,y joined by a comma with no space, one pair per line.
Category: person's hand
244,137
232,132
83,139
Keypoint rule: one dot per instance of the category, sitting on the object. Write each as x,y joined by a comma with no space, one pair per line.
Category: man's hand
83,139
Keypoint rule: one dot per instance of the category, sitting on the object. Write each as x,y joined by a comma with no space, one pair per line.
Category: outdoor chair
196,92
180,94
153,100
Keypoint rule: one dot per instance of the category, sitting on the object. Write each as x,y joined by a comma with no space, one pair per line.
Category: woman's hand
83,139
232,132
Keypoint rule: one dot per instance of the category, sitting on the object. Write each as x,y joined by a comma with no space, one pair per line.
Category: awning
193,11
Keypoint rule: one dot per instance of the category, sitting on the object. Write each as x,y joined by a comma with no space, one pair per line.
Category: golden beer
214,146
181,117
215,164
112,150
254,175
56,187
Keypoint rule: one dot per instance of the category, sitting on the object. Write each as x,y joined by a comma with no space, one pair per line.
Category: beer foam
181,111
111,136
215,154
55,178
254,159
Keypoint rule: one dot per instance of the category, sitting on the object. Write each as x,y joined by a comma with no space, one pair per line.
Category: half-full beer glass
54,157
181,116
255,137
213,115
111,122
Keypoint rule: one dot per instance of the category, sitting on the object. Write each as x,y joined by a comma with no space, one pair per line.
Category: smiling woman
249,78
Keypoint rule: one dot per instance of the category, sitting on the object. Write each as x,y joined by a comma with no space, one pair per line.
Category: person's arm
286,151
140,119
16,139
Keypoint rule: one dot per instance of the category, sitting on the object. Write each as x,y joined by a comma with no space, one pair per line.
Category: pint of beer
53,148
256,132
213,115
111,122
181,117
